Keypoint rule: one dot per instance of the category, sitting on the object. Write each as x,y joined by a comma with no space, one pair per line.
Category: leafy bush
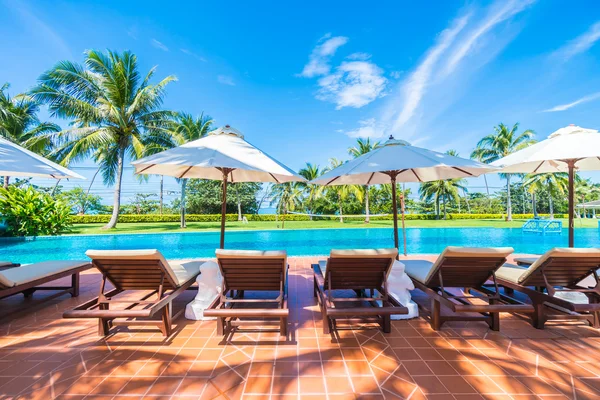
28,212
125,218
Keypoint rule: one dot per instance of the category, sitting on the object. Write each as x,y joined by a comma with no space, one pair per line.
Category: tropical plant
554,183
363,146
286,197
29,212
81,201
20,124
116,113
444,190
342,192
312,191
499,144
184,128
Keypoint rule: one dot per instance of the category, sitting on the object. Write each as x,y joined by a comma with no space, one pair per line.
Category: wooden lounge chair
145,272
251,271
27,279
467,268
558,270
356,271
8,264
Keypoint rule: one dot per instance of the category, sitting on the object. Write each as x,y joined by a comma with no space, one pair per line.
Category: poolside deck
43,356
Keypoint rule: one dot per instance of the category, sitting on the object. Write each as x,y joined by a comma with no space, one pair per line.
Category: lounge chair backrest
253,270
134,269
562,267
359,269
466,266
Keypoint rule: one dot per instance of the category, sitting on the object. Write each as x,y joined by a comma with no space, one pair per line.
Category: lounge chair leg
240,294
386,324
220,326
74,285
314,287
103,327
538,317
326,324
166,321
28,293
283,327
508,291
436,321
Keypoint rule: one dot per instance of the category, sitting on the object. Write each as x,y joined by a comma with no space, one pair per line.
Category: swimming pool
296,242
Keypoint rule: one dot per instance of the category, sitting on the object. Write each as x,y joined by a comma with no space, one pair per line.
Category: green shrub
152,218
28,212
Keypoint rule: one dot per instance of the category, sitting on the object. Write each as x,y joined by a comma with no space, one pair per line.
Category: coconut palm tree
20,124
286,197
113,108
444,190
342,192
363,146
499,144
553,183
310,172
185,128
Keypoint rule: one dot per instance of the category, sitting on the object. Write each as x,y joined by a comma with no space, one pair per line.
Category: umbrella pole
571,164
395,209
223,208
402,210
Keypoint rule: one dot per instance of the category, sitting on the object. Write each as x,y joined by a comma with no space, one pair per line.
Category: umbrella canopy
566,150
398,161
17,161
221,155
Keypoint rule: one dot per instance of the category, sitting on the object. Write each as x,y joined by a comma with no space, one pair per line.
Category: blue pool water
296,242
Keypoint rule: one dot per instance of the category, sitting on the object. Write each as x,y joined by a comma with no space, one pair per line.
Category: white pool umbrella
566,150
398,161
17,161
221,155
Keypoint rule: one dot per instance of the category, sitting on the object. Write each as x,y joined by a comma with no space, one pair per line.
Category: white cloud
580,44
415,86
369,128
396,74
225,80
159,45
354,84
191,53
496,15
133,32
318,61
359,56
564,107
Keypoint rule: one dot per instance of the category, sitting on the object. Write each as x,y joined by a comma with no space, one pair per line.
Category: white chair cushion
559,252
184,270
419,270
511,273
31,272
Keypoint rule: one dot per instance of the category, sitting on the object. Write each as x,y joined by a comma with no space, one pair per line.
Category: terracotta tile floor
43,356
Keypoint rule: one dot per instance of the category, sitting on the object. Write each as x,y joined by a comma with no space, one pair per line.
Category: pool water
296,242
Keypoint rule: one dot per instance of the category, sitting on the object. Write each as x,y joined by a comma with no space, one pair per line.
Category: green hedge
125,218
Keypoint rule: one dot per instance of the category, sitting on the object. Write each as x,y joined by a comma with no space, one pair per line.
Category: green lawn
212,226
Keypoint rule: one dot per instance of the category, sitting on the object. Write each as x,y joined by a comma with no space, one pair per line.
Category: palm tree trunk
341,211
437,207
551,205
534,205
239,203
160,198
467,201
182,206
444,203
508,202
367,219
487,189
283,218
117,200
6,181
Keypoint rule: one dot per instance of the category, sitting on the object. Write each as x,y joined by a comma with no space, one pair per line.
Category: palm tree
445,190
363,146
499,144
185,128
310,172
342,192
20,124
454,153
114,110
286,197
554,183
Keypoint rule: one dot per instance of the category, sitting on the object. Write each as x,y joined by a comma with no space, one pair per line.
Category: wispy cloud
359,56
159,45
368,128
225,80
35,24
580,44
191,53
318,61
564,107
354,84
133,32
416,85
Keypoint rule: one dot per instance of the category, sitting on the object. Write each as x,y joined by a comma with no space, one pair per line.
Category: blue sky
303,80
